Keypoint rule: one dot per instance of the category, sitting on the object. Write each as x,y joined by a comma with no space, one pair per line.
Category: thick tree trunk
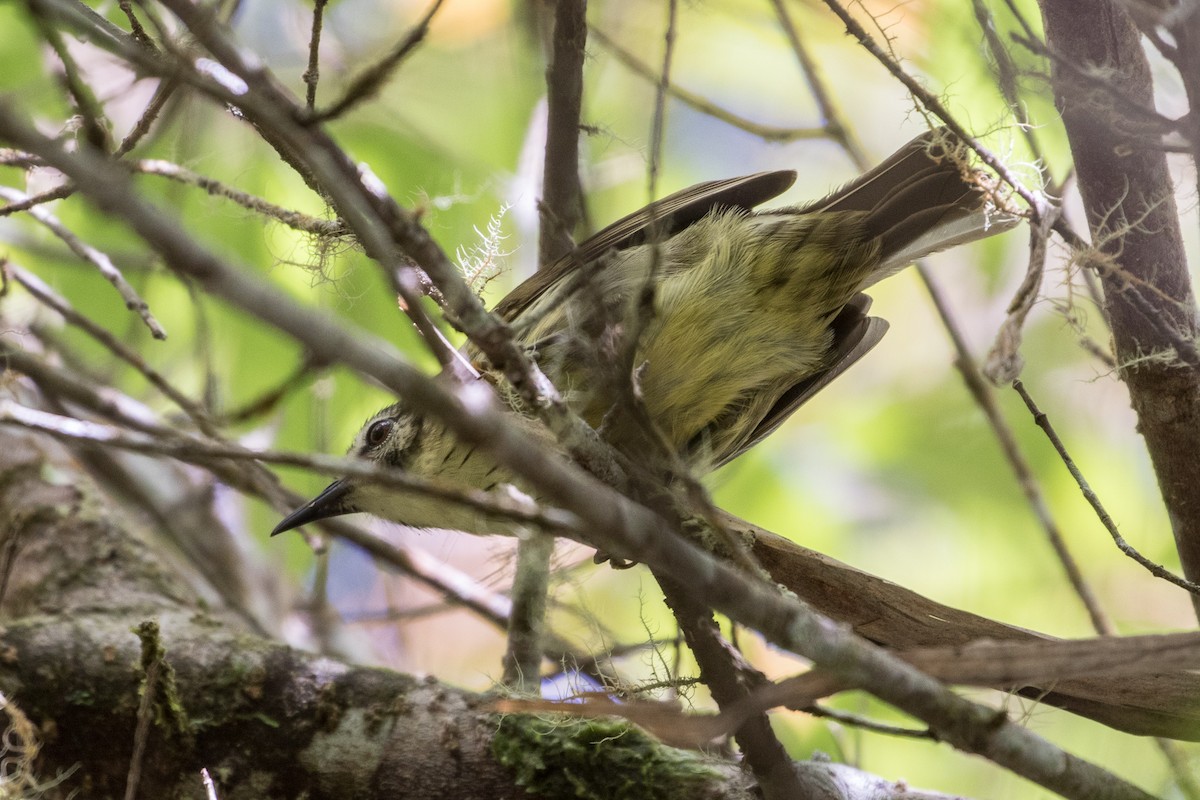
1134,225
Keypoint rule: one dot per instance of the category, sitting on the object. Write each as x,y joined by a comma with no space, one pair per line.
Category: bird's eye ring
377,434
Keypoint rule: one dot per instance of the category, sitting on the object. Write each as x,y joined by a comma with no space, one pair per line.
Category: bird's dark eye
377,434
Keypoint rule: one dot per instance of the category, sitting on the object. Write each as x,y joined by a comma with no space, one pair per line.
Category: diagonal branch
1129,198
613,523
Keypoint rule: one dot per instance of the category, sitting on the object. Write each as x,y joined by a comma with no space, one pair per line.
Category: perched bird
753,313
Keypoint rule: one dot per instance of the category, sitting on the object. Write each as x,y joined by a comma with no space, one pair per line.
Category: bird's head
389,438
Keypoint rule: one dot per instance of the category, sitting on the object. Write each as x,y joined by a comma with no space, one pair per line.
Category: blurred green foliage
893,469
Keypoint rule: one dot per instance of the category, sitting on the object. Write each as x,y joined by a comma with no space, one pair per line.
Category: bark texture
266,720
1101,78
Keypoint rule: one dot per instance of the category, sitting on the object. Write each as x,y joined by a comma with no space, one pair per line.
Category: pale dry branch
91,255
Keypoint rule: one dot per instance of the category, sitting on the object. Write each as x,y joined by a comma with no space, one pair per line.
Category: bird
751,314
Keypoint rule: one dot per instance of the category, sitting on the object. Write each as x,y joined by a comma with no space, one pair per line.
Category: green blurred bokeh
893,469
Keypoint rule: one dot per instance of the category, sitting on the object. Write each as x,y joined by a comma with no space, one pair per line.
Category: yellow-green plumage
753,313
725,339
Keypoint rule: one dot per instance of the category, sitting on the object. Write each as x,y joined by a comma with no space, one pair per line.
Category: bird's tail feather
922,199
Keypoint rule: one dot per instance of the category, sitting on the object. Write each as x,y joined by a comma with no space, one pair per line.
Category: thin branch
286,216
855,721
832,123
194,450
1004,361
145,718
1042,421
1006,78
982,393
15,158
312,75
48,297
985,397
562,193
371,80
767,133
166,169
659,118
1036,200
731,680
41,198
271,398
96,127
141,129
135,26
531,585
96,258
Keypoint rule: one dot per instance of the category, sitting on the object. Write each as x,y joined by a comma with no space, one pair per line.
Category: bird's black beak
329,503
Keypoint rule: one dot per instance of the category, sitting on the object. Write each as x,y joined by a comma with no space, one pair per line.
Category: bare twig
312,75
139,130
145,718
96,127
48,196
159,690
210,787
195,450
1036,200
1004,362
561,190
985,398
59,304
135,25
523,655
271,398
374,77
768,133
731,680
1043,422
831,120
1007,78
293,219
162,95
96,258
855,721
659,118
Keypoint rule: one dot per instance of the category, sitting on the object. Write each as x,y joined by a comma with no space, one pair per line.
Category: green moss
599,759
330,707
154,662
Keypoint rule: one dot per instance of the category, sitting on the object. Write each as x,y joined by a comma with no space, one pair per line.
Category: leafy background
893,469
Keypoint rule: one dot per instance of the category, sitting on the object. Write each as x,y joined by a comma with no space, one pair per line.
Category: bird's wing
854,335
672,214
